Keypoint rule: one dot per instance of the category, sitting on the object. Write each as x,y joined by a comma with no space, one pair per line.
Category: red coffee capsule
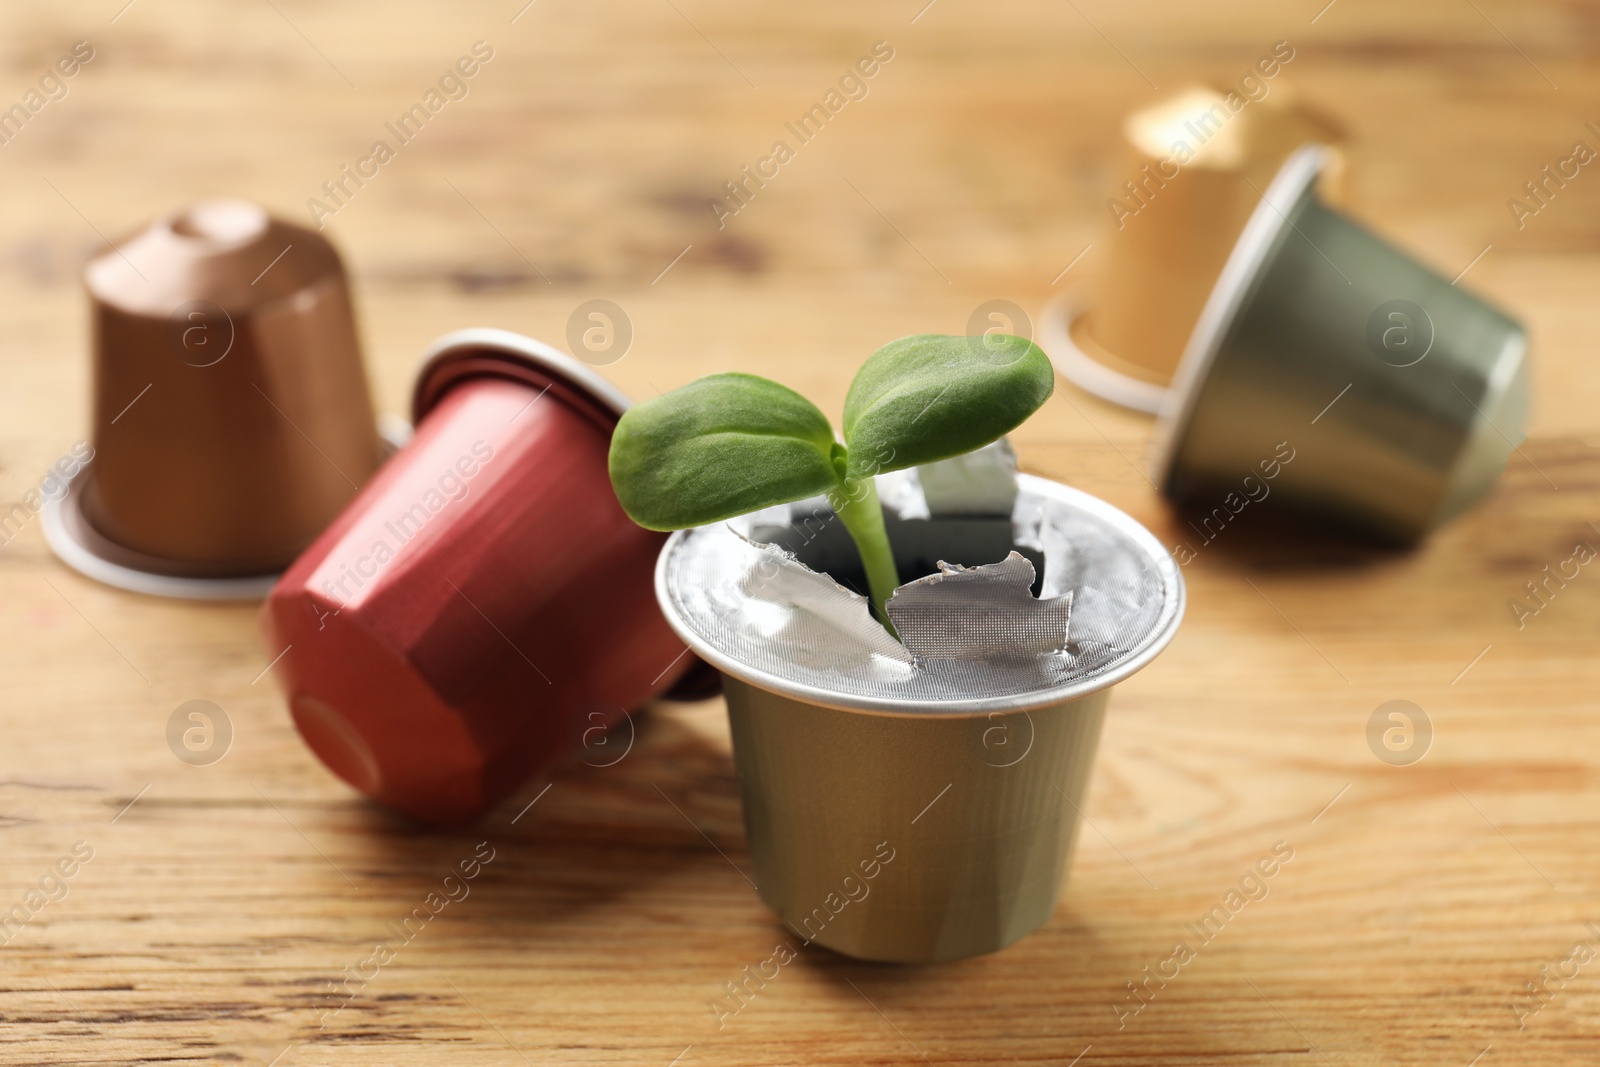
483,606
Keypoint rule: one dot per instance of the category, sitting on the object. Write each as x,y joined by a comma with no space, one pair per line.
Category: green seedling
730,444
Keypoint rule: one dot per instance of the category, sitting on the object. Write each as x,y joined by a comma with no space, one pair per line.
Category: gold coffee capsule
1193,168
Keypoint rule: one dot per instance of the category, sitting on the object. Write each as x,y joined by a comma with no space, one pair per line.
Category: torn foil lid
978,629
983,482
986,613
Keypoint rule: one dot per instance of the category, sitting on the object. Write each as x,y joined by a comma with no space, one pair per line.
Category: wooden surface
222,903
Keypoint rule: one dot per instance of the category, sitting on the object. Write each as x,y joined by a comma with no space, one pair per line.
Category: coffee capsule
1192,170
484,606
917,798
1372,392
231,417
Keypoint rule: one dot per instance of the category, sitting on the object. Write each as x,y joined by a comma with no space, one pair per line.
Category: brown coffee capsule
231,415
1192,170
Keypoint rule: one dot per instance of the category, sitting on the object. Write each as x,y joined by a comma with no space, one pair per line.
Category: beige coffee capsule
231,416
1192,171
917,798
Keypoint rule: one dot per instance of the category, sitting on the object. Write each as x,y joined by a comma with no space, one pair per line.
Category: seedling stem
856,503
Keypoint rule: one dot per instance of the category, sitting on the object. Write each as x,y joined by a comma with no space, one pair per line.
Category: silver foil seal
979,483
986,613
971,624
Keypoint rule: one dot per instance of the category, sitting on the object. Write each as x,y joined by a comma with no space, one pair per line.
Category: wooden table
223,903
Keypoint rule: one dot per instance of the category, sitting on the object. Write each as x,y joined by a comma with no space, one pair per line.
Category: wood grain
223,904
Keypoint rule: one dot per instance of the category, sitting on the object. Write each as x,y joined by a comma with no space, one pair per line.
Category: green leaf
722,446
929,397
